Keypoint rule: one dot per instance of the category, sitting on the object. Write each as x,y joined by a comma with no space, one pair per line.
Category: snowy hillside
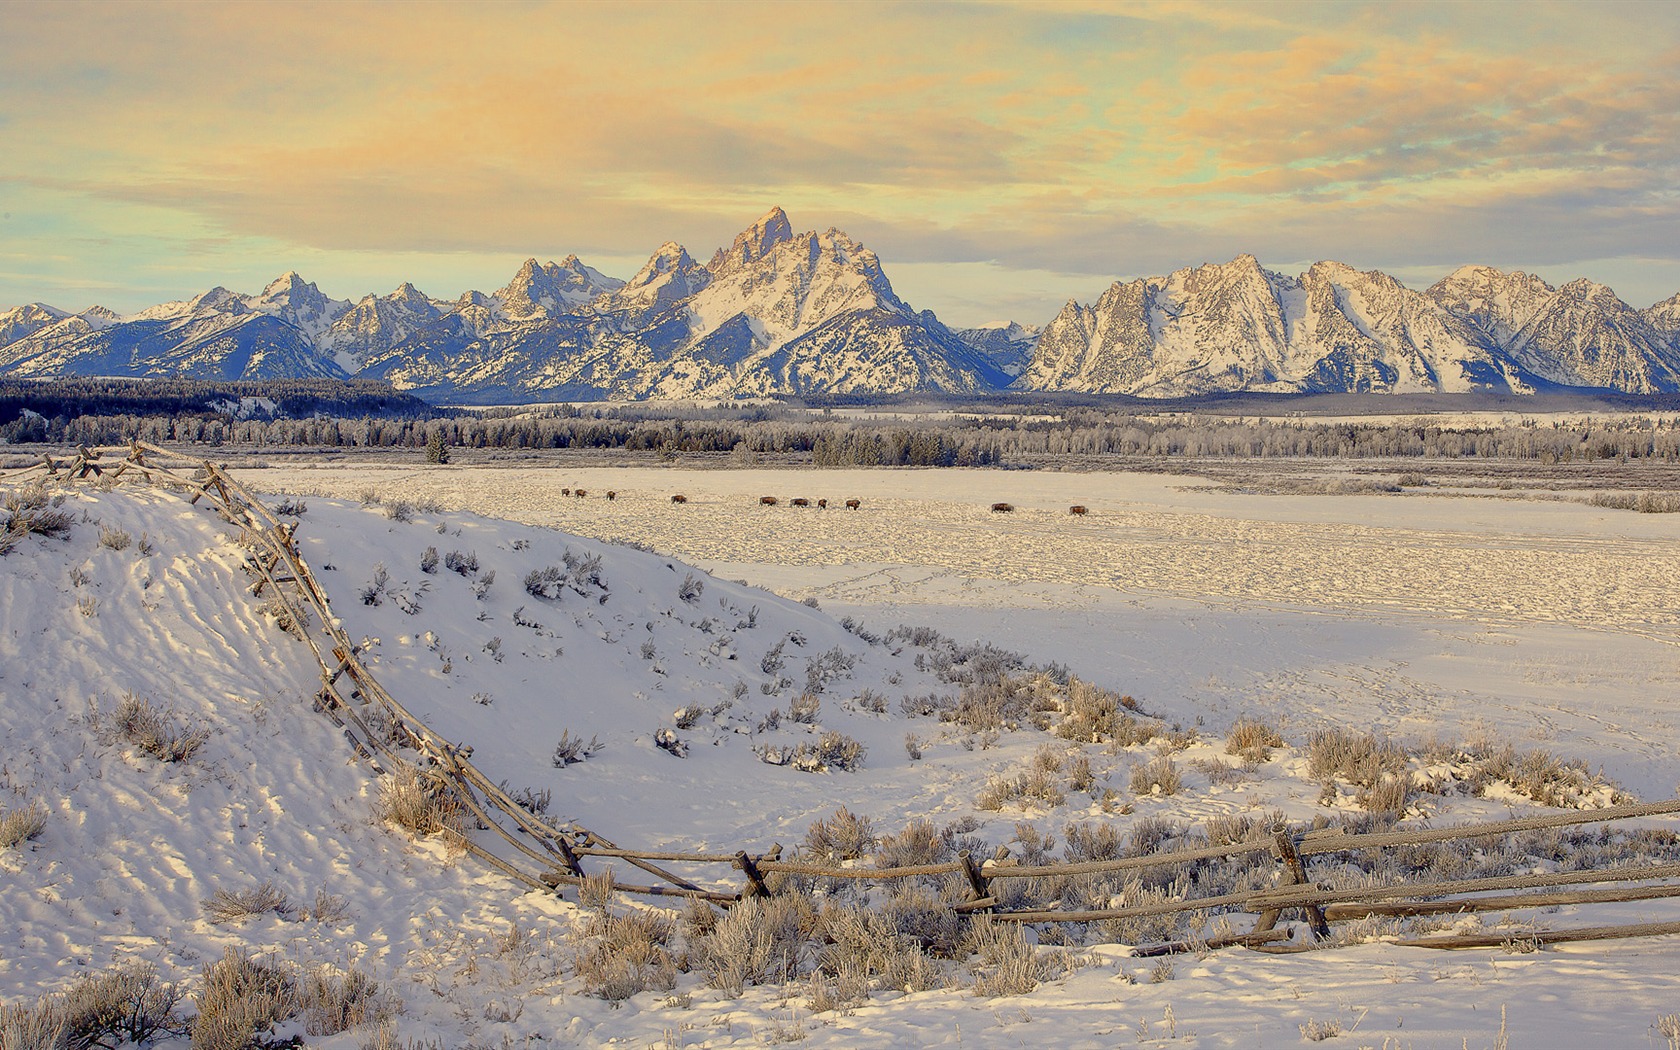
513,638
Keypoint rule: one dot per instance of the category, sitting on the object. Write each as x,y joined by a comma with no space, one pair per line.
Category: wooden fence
547,856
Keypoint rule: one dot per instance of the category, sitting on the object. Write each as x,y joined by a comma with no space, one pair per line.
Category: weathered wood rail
547,856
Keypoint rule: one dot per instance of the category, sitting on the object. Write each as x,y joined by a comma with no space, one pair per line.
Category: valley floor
1433,612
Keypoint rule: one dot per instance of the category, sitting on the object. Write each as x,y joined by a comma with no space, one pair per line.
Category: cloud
1067,138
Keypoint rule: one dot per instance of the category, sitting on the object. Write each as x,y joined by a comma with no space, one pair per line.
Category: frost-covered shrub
546,583
31,510
762,940
1158,775
1091,714
689,589
241,998
571,749
233,905
291,507
417,804
827,667
1092,842
1036,786
429,560
374,592
804,708
146,727
843,836
1003,962
115,538
21,825
333,1002
461,563
400,510
872,946
628,954
919,843
1359,758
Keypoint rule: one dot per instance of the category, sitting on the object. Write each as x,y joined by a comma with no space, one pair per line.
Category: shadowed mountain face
779,312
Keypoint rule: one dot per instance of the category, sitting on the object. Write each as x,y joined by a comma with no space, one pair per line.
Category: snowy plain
1543,623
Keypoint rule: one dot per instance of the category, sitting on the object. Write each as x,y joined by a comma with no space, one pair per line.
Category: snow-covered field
1543,624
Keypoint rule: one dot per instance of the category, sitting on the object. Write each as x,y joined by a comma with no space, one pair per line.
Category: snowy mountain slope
1580,335
217,335
20,322
1238,326
779,312
1007,344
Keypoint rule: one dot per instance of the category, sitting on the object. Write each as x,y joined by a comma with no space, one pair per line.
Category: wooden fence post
1283,847
978,884
755,879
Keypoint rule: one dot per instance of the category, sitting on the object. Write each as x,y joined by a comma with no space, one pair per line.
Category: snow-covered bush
463,563
146,727
241,998
418,805
116,539
336,1001
1158,775
225,906
628,954
572,749
21,825
843,836
762,940
690,588
1252,740
429,560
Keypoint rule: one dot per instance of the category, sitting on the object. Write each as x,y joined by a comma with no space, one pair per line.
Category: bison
611,494
853,504
565,492
1078,510
801,501
579,493
1002,508
767,501
822,504
679,498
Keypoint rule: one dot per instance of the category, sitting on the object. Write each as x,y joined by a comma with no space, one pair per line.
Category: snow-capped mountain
1236,326
784,313
1579,335
21,322
774,313
1007,344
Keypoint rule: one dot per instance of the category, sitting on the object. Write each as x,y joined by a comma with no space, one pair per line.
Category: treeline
77,397
785,433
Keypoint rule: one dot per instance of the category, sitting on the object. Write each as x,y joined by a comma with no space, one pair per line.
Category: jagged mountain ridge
785,313
775,313
1236,326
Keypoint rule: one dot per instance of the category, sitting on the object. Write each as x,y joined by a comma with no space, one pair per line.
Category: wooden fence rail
548,857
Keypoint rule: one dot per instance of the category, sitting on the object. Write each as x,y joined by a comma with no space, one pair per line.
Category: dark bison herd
821,504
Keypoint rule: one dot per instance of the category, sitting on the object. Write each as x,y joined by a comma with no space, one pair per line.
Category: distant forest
364,414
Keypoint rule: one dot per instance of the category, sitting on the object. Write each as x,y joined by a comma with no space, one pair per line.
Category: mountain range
812,314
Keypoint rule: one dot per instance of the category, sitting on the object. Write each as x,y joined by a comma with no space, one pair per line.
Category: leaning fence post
1283,847
755,878
977,880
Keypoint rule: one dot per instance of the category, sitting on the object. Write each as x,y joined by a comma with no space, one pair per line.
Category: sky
1000,158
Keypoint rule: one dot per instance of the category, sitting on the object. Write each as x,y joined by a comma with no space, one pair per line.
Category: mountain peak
755,242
